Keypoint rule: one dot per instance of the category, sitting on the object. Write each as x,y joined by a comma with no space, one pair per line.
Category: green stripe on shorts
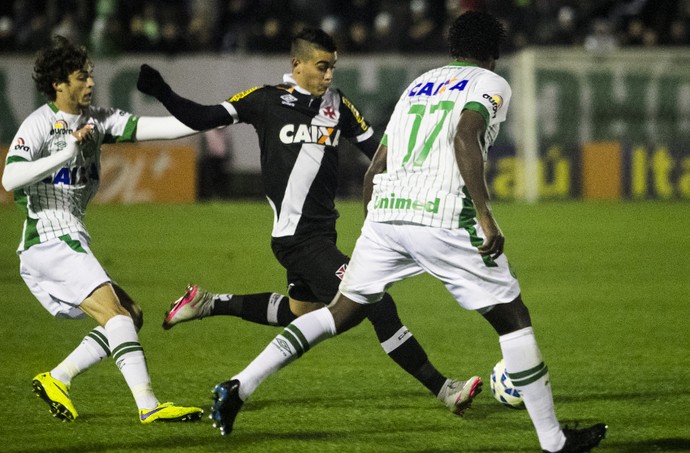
74,245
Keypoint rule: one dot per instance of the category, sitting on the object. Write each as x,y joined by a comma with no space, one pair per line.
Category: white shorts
386,253
61,273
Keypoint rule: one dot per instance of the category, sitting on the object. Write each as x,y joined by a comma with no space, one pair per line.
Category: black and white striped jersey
298,138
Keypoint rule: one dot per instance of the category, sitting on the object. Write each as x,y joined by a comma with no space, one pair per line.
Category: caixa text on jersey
305,133
76,175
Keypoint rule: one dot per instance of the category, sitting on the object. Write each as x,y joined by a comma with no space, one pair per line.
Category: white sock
92,349
129,357
298,337
530,376
443,393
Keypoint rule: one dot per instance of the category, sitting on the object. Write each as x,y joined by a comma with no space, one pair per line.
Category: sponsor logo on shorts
340,273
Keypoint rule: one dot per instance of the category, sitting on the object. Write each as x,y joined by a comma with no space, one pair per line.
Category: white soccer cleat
459,394
196,303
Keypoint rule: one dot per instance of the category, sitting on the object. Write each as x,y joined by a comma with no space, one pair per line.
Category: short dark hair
312,37
56,62
476,35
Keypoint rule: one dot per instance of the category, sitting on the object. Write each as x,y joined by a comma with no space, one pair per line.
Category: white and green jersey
422,184
55,206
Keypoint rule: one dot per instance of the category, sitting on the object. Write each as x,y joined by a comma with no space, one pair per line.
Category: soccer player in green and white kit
53,167
429,211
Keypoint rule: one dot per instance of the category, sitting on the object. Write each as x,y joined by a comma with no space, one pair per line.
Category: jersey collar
288,79
69,116
462,63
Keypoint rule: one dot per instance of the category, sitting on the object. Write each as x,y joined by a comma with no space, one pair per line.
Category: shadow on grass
207,439
410,398
236,441
482,409
649,446
609,396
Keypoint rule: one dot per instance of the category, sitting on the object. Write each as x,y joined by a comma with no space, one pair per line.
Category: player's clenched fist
151,82
83,133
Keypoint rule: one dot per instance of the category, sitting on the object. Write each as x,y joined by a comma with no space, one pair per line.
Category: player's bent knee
103,304
132,307
136,313
384,311
299,308
506,318
347,313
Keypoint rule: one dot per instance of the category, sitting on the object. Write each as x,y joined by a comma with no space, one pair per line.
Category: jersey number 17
419,111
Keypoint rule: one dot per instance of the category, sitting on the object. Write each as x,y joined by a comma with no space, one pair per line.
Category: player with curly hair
53,167
429,211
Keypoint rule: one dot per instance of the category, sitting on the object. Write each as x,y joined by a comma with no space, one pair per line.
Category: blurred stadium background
601,90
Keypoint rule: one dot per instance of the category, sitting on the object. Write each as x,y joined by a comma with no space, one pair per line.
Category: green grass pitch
608,286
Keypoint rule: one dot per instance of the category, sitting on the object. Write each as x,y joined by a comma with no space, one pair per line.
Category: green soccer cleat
56,394
196,303
168,412
460,394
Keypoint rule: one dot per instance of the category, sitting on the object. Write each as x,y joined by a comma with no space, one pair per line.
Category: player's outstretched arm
22,173
161,128
193,115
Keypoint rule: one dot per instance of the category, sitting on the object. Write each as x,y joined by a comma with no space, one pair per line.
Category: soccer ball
503,390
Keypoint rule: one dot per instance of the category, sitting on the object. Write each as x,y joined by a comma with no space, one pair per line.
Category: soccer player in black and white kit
299,124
